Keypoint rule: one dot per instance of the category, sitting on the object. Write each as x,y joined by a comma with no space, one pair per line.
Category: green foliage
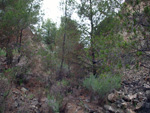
103,84
139,53
147,10
63,82
48,32
15,52
31,96
137,2
42,52
54,103
2,52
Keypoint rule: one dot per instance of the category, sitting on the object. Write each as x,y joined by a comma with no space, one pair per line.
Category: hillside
75,68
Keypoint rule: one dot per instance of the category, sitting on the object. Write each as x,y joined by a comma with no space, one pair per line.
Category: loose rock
24,90
109,108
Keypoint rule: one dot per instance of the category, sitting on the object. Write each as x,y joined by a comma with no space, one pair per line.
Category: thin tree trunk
92,41
63,45
20,40
62,59
9,55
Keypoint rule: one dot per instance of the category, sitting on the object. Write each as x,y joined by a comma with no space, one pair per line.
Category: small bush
63,82
103,84
2,52
54,104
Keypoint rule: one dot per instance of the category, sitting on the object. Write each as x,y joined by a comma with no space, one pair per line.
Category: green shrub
63,82
147,10
103,84
2,52
54,104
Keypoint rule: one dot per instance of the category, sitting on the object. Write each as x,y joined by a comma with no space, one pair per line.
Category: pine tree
94,11
16,16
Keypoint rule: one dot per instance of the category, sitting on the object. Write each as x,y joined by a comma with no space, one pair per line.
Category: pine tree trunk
9,55
62,59
63,46
20,41
92,41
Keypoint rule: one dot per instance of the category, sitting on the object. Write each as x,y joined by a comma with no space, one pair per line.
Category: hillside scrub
100,64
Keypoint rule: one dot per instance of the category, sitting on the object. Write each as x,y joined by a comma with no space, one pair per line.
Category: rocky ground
32,95
133,97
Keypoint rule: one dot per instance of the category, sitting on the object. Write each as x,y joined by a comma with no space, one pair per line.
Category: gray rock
16,104
148,95
130,97
146,87
35,103
139,105
24,90
129,111
140,95
112,97
124,105
109,108
147,105
119,111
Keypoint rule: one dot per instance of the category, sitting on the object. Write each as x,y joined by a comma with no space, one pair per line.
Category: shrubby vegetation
55,104
104,84
92,55
2,52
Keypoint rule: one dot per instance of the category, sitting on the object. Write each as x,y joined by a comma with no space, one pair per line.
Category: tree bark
92,41
9,55
63,45
20,41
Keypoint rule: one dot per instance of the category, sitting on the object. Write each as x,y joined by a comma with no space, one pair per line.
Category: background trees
15,17
48,33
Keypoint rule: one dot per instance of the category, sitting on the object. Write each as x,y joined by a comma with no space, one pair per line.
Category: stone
140,96
2,94
130,111
87,100
16,104
112,97
130,97
135,101
124,105
146,87
119,111
24,90
139,105
21,98
33,106
109,108
147,105
35,103
126,98
148,95
35,99
44,100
